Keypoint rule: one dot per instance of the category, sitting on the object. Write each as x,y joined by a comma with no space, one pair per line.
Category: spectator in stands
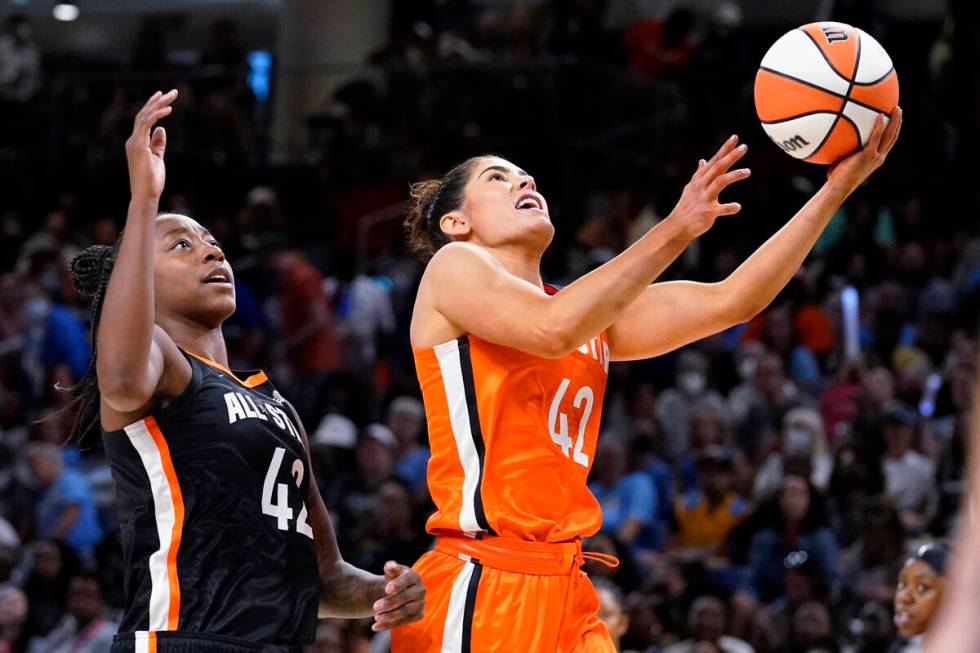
14,607
674,406
802,437
52,565
909,476
87,627
706,624
707,515
628,500
66,511
611,610
406,419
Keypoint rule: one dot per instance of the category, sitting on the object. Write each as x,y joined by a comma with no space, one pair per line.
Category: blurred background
761,487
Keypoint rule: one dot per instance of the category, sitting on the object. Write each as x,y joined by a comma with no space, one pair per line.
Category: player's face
502,205
919,592
191,277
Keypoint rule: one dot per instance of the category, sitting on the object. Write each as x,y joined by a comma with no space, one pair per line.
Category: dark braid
90,271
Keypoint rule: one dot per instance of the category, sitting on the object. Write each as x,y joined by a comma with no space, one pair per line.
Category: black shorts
180,642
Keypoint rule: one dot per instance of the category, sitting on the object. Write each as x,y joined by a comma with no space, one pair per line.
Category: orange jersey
512,437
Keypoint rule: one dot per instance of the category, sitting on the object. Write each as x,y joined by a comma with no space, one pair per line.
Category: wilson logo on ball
834,34
793,144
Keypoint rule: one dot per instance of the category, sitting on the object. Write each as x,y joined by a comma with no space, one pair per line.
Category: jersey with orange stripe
213,522
512,437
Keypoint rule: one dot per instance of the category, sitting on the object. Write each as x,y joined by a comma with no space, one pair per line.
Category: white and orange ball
819,89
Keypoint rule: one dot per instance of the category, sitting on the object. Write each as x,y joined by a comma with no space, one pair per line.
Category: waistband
175,641
520,557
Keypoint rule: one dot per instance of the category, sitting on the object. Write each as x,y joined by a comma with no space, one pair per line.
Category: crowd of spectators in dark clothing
760,487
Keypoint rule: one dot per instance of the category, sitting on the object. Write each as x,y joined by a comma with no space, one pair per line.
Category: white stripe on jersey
459,418
163,505
142,641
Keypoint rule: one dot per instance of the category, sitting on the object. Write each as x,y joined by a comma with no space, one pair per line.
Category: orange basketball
819,89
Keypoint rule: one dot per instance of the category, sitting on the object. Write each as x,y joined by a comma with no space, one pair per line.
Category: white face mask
746,368
692,383
797,441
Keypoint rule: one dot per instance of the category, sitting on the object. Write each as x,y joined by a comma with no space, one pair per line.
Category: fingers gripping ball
819,89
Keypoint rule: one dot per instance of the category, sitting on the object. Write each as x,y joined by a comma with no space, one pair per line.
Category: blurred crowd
761,487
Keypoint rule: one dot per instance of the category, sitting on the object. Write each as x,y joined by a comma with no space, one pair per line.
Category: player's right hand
698,207
145,147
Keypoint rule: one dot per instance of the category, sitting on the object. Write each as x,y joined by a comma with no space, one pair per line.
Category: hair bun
87,267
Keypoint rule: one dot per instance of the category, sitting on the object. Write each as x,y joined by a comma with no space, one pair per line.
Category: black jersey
213,520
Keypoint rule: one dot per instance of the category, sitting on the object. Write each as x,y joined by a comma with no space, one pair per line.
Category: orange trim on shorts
517,556
151,642
173,613
255,380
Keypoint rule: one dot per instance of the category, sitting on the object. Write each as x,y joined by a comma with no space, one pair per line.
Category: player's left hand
852,171
404,598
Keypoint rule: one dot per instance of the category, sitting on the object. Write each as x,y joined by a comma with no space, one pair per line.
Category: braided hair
429,201
90,271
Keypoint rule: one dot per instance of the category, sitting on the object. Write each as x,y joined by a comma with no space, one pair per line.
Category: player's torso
513,437
213,520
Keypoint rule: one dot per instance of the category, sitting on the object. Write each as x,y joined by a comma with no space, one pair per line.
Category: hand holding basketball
404,598
853,170
698,207
145,149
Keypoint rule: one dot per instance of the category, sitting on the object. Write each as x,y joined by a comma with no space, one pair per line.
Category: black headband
934,554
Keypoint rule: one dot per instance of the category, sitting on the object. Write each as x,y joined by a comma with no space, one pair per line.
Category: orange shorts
497,595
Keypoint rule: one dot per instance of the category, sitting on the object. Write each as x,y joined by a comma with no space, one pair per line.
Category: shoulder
459,257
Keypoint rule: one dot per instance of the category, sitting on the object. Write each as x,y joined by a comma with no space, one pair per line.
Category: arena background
300,126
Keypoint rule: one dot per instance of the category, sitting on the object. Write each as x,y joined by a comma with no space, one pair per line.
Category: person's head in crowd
706,619
811,626
920,588
611,610
898,426
708,425
795,498
879,387
779,333
770,377
692,372
45,462
14,609
406,418
376,454
396,514
747,356
882,533
86,598
804,581
803,434
610,462
716,473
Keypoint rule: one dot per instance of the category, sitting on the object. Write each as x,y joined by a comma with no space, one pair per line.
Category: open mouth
529,201
218,276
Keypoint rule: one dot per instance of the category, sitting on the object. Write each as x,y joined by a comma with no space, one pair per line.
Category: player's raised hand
404,598
698,207
145,147
852,171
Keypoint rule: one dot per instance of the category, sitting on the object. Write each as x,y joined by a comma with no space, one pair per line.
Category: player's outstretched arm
467,287
672,314
397,597
131,362
956,627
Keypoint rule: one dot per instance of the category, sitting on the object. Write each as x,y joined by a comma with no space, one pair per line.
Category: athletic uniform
218,552
513,437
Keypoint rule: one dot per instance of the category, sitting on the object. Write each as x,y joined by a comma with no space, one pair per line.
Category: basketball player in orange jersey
513,375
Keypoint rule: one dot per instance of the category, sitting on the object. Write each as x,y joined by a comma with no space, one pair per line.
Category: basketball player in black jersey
227,543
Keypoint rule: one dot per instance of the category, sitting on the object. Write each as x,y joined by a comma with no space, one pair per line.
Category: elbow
554,342
736,307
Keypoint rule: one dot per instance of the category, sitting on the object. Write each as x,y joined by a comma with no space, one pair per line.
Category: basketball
819,89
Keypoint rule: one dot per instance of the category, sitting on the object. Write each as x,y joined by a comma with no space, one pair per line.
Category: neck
209,343
520,262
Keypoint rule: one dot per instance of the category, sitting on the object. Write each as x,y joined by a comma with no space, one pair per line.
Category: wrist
144,202
677,229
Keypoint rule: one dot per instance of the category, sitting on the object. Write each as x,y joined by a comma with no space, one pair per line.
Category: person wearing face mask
802,438
918,595
675,405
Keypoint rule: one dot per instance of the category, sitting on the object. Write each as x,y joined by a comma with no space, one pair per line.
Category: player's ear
454,224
